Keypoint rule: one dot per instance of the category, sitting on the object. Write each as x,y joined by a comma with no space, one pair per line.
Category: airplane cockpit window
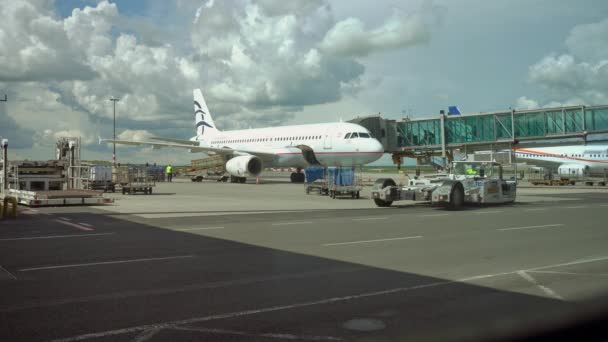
347,136
354,135
363,135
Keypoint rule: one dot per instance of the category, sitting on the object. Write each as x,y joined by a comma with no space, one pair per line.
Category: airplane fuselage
328,144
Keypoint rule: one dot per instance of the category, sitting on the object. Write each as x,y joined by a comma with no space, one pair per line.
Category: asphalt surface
368,274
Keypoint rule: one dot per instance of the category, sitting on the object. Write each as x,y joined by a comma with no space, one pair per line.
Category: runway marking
370,218
489,212
85,224
12,276
290,223
164,291
75,225
55,236
536,209
201,228
299,305
370,241
572,273
577,262
145,335
603,205
543,288
280,336
532,227
104,263
65,219
575,207
433,215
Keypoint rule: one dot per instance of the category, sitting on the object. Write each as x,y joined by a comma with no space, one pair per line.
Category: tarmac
245,262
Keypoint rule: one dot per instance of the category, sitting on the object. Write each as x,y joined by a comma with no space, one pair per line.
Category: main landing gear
298,177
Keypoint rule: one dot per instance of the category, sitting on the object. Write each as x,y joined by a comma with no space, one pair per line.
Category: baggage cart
133,180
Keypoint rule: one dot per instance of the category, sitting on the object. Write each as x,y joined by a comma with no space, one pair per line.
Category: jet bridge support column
71,183
4,165
443,152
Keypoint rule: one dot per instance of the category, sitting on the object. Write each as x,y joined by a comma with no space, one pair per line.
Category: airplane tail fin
205,127
453,110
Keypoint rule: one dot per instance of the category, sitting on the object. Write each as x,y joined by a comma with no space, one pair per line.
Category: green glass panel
596,119
573,120
555,122
503,126
529,124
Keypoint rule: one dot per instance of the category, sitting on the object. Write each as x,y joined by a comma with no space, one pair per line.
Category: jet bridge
439,137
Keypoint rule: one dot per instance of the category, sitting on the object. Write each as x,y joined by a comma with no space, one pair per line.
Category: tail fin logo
202,123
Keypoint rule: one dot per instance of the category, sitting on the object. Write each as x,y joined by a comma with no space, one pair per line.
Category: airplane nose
378,146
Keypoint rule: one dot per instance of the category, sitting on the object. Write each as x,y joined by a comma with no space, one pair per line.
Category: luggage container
334,181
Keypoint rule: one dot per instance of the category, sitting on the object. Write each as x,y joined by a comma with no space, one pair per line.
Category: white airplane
248,152
573,160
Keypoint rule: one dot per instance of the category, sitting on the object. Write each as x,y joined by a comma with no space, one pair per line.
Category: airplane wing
265,155
178,141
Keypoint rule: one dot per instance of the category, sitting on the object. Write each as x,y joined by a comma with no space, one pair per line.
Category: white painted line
200,228
532,227
65,219
370,241
172,324
370,218
280,336
7,272
543,288
85,224
536,209
603,205
324,301
55,236
578,262
433,215
489,212
290,223
575,207
36,304
104,263
146,335
74,225
573,273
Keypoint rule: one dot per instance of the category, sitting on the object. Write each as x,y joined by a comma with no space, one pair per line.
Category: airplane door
327,139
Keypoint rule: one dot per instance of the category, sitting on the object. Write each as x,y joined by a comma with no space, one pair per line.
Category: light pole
114,100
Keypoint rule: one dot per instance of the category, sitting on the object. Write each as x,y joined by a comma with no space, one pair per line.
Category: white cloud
259,63
579,76
350,37
135,135
524,103
36,46
589,41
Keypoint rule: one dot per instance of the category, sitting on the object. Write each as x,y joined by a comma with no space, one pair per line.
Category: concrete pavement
256,264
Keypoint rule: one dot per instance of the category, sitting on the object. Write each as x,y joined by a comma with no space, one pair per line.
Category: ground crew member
169,172
471,171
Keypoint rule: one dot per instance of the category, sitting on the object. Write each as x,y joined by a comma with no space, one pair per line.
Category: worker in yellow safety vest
169,172
471,171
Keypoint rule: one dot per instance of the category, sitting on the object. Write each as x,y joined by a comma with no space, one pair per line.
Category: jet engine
244,166
573,170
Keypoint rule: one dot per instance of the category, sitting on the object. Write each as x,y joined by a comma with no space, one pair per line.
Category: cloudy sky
273,62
